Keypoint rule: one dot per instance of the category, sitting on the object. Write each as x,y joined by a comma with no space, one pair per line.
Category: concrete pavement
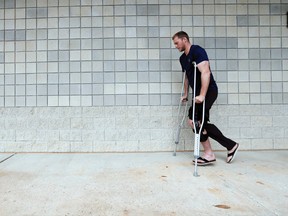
156,184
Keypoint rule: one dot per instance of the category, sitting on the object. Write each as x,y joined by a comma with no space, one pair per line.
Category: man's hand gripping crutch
197,122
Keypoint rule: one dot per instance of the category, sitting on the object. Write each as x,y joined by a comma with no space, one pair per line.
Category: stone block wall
103,75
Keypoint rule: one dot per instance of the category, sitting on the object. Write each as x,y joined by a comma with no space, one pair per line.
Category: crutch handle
184,99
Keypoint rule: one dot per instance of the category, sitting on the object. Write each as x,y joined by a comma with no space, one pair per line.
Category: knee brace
198,115
203,137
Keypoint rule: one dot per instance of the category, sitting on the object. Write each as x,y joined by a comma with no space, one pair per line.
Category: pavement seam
7,158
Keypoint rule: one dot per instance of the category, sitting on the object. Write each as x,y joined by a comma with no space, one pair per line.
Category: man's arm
205,80
186,89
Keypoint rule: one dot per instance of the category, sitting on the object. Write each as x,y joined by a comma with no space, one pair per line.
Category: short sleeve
200,55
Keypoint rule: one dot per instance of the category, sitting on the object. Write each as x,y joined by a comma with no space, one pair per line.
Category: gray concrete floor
143,184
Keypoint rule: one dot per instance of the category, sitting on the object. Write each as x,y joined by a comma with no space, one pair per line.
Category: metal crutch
180,125
197,126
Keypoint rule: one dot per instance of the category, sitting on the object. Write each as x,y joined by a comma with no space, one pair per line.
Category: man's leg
208,152
217,135
229,144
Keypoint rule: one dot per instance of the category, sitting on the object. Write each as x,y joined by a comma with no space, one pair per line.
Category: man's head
181,40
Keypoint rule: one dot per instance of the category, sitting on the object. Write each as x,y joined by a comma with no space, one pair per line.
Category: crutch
180,125
197,125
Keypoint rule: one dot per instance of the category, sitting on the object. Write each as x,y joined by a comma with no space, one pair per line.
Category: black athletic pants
212,130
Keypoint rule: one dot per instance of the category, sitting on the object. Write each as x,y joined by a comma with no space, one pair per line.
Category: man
206,89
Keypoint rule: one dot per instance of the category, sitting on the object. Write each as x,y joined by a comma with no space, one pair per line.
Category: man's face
179,43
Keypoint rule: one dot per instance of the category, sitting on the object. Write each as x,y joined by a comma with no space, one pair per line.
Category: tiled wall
118,54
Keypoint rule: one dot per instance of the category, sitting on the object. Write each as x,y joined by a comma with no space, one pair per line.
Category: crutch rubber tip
174,153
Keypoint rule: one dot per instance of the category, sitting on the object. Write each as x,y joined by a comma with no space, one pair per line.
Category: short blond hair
181,34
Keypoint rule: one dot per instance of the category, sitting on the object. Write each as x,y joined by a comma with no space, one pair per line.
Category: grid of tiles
105,52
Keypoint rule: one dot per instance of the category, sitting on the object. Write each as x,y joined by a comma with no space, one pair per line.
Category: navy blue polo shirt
196,54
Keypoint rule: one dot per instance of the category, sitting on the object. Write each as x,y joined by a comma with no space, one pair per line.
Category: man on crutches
206,89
